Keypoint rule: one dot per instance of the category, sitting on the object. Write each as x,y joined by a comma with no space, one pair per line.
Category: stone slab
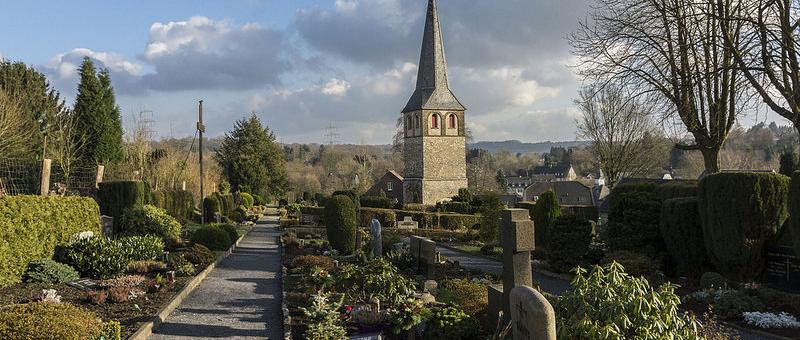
532,316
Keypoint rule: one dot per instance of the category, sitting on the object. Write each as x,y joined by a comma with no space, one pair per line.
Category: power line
331,135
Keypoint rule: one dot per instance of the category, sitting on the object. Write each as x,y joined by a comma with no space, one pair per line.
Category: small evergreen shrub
111,331
459,222
247,200
387,218
115,197
545,213
683,235
470,296
229,229
451,324
150,220
340,221
732,303
324,320
200,255
212,207
43,320
376,278
177,203
212,237
490,218
740,212
32,226
456,207
49,271
607,303
141,248
258,200
95,257
379,202
570,237
633,219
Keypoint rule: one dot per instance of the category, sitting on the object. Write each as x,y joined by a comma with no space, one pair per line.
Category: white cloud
336,88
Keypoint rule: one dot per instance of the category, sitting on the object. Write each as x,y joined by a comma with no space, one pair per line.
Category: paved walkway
549,284
241,297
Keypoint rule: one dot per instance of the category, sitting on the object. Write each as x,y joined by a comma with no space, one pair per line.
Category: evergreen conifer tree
98,116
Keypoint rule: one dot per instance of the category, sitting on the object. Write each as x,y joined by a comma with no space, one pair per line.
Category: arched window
409,123
416,121
451,121
434,121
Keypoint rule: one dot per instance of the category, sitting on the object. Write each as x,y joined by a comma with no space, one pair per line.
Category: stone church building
434,144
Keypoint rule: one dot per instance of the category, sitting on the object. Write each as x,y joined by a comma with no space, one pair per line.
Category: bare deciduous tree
15,139
67,143
672,53
769,58
625,139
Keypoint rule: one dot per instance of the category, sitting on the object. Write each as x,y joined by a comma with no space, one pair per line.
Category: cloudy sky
303,65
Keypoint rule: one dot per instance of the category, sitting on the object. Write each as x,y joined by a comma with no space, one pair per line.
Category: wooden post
99,177
44,188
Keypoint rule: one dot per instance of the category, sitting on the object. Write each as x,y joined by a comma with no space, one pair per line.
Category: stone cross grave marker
407,223
532,316
377,245
516,237
107,222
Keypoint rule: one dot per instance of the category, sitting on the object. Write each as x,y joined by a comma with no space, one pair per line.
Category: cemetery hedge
389,218
740,212
340,221
379,202
178,203
794,209
386,217
570,237
43,320
544,214
115,197
683,235
212,206
633,219
33,226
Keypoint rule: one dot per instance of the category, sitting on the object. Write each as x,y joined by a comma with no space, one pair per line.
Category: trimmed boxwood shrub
387,217
115,197
32,226
545,213
247,199
456,207
200,255
340,222
471,296
570,237
43,320
683,235
379,202
212,237
94,257
150,220
49,271
228,203
212,206
740,212
178,203
233,235
633,219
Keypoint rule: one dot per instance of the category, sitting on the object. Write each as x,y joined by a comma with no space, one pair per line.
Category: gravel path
241,297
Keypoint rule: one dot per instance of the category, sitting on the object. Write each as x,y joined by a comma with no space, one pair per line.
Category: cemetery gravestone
407,223
532,316
377,245
783,266
306,219
108,225
516,237
429,257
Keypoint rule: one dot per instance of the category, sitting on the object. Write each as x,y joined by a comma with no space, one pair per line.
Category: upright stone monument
377,245
532,316
516,237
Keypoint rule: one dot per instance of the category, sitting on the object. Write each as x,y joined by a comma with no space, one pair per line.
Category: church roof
433,91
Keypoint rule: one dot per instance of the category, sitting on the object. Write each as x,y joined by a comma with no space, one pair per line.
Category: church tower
434,144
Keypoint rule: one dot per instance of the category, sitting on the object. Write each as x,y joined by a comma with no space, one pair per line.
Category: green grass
472,249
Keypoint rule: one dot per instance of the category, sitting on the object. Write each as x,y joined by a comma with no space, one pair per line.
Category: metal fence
24,177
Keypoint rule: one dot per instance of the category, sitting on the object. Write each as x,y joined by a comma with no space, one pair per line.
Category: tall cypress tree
98,116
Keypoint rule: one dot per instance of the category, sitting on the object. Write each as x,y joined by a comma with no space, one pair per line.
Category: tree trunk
711,159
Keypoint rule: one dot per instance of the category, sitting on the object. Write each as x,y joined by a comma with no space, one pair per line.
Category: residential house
553,172
390,184
572,193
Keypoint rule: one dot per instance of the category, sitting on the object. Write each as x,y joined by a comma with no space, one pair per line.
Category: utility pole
201,128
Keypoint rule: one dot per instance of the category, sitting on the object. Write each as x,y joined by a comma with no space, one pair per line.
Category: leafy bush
607,303
376,278
490,219
247,200
42,320
150,220
468,295
455,207
233,234
212,237
324,322
545,213
401,259
141,248
683,235
49,271
181,265
633,220
111,331
340,221
379,202
713,280
569,239
386,217
740,212
212,207
32,226
258,200
115,197
177,203
458,222
200,255
732,303
408,313
95,257
451,323
310,261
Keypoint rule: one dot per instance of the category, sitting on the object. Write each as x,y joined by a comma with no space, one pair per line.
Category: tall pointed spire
433,91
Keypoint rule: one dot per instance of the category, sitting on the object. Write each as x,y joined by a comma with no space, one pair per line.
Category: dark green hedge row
32,226
340,218
683,235
570,237
740,212
379,202
794,211
178,203
456,207
386,217
115,197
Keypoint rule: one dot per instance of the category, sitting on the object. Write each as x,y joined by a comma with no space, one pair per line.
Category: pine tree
546,211
98,116
251,159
